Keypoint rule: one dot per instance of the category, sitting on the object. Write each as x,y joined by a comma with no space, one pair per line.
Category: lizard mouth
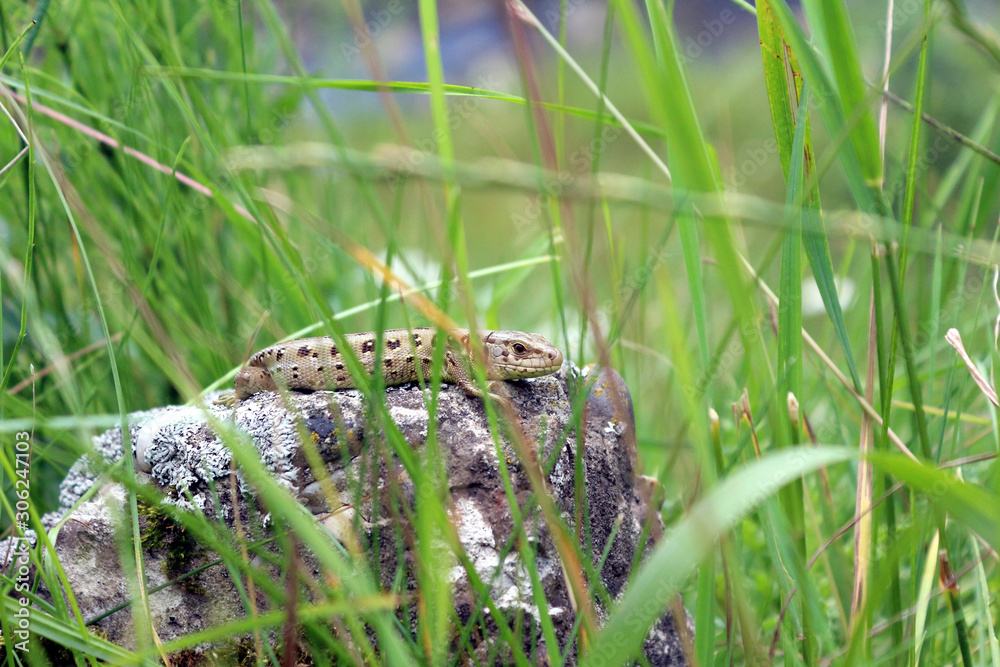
533,366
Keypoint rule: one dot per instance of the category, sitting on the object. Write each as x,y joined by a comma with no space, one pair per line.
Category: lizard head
514,354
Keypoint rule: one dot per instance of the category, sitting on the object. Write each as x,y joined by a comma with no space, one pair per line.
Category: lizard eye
520,349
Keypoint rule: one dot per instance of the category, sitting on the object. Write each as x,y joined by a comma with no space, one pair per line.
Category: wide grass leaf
675,559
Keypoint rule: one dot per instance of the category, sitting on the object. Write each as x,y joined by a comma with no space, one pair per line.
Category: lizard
312,364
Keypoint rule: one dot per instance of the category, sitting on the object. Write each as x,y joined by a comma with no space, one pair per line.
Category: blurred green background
197,171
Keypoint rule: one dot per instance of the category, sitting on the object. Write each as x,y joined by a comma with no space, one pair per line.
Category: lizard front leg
249,381
458,372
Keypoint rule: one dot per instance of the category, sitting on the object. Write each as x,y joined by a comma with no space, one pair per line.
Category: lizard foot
227,398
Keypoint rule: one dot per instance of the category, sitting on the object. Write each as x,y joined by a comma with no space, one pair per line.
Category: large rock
176,449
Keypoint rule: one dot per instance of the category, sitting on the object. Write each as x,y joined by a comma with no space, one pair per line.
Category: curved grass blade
676,558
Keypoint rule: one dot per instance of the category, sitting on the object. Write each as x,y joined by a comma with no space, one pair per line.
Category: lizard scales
312,364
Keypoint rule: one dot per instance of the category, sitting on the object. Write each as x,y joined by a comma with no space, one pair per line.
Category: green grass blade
830,19
675,558
790,284
817,249
774,54
830,106
780,62
974,507
912,169
57,631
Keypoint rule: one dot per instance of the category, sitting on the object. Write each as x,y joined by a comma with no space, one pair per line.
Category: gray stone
177,450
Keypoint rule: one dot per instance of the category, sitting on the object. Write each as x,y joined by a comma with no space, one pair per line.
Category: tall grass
179,187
